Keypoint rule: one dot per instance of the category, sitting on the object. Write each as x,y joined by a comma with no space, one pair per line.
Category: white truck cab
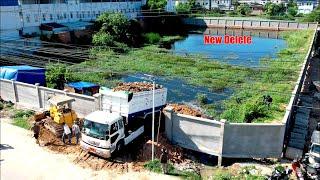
103,133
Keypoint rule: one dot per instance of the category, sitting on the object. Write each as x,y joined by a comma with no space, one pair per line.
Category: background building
207,4
306,6
26,16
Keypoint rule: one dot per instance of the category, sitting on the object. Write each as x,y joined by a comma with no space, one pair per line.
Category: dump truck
120,121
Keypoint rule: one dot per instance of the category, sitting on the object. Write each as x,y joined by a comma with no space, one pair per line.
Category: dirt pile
135,87
184,109
83,158
175,153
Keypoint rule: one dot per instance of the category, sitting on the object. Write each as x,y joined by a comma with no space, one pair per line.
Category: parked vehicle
121,121
314,152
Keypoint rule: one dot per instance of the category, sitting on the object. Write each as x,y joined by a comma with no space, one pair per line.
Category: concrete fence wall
36,97
249,24
245,140
223,139
194,133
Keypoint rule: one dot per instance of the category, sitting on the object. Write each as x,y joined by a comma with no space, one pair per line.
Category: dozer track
55,128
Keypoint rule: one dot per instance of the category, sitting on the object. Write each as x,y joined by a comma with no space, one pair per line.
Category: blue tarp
8,2
82,85
26,74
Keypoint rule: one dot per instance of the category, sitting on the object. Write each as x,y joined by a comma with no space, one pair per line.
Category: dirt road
21,158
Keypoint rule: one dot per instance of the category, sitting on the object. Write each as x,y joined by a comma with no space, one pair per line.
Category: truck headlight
316,165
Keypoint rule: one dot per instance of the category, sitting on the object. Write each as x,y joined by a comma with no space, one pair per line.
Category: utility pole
153,111
154,87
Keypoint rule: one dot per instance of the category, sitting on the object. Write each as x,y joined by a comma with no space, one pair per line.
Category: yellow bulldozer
60,112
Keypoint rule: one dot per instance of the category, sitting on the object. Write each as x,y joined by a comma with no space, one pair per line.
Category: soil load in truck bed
135,87
184,109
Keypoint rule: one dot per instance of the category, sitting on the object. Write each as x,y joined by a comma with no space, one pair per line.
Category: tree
183,8
314,16
115,29
156,4
244,9
272,9
293,11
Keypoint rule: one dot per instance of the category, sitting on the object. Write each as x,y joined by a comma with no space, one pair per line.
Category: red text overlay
227,39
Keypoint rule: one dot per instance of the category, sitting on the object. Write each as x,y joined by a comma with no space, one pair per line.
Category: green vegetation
242,174
156,4
152,38
244,9
20,118
276,79
115,30
202,99
155,166
314,16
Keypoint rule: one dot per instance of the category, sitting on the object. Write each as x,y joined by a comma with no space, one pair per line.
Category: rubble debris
184,109
135,87
38,116
175,153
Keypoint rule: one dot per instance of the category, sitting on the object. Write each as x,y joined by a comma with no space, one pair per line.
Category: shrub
20,118
154,166
103,39
156,4
314,16
183,8
152,38
202,99
244,9
56,75
23,113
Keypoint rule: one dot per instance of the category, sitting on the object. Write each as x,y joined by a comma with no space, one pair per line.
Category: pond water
264,44
181,92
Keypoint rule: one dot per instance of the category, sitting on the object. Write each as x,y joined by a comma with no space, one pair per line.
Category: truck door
114,135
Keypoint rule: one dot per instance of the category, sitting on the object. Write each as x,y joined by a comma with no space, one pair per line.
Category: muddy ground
131,158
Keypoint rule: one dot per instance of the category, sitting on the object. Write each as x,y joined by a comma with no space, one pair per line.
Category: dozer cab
60,112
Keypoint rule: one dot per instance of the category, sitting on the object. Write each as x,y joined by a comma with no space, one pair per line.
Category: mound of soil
175,153
184,109
85,159
135,87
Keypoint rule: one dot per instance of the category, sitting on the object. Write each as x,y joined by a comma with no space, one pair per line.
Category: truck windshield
95,130
316,148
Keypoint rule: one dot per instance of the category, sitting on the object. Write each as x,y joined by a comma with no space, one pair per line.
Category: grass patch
155,166
277,78
245,173
20,118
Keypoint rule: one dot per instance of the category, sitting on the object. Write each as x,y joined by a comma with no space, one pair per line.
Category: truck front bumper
95,150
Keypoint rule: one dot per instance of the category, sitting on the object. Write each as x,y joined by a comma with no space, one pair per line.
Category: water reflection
264,44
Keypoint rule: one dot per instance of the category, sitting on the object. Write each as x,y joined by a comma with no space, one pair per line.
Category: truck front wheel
119,146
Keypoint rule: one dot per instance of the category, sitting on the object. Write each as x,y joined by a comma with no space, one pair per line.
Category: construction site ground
22,158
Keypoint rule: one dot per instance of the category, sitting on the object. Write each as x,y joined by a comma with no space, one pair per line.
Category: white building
221,4
306,6
262,2
25,16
